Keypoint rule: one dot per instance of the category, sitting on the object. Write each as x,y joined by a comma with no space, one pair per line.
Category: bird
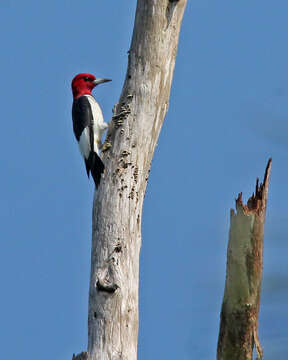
88,123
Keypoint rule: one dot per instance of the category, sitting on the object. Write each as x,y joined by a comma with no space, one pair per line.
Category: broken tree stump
238,333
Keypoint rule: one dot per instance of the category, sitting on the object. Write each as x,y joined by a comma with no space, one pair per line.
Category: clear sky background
228,114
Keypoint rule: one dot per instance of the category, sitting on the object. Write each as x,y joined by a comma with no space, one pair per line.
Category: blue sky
228,114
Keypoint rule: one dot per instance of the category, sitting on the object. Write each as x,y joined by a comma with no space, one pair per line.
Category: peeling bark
127,154
240,309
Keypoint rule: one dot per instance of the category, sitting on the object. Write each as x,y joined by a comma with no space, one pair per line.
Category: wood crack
170,10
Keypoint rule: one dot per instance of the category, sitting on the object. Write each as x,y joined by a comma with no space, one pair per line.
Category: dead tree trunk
127,154
240,309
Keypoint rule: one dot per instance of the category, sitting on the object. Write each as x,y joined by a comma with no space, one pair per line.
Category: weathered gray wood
240,309
127,154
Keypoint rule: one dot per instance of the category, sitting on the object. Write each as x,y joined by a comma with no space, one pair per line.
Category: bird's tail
94,165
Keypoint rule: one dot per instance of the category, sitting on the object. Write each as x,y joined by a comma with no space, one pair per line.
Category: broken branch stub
240,308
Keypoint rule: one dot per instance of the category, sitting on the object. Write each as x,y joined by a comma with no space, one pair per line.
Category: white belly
99,126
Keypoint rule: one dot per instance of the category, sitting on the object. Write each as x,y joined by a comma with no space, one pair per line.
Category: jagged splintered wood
240,309
127,154
82,356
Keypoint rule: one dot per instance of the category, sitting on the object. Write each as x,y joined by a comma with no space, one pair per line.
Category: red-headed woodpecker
88,123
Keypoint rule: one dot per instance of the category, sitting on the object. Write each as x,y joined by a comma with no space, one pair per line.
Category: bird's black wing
82,117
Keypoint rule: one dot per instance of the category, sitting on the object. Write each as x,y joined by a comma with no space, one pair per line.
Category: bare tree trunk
127,154
240,309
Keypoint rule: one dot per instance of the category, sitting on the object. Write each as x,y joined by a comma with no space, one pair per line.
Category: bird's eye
86,78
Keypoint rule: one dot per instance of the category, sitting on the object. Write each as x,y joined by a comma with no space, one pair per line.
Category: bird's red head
83,84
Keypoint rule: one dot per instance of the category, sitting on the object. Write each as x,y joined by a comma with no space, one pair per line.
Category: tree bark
240,309
127,154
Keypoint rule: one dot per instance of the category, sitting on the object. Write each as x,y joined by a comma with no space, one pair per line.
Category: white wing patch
99,126
84,143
